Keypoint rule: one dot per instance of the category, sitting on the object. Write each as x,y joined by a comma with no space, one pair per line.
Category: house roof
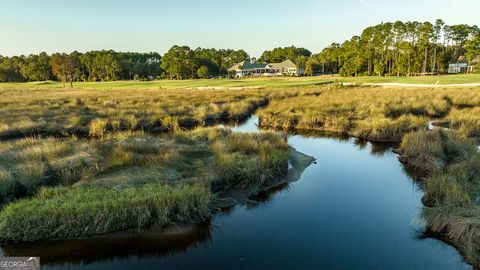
463,59
247,65
285,64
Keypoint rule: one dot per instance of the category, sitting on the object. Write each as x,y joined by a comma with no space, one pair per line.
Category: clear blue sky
32,26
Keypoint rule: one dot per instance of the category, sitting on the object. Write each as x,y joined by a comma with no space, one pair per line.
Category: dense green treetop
281,54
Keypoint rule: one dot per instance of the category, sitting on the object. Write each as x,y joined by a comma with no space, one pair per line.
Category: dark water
355,209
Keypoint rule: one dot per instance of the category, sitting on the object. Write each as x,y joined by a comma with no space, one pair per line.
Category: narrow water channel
356,208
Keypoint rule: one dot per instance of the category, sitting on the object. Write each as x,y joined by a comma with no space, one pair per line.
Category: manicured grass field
442,79
179,84
273,82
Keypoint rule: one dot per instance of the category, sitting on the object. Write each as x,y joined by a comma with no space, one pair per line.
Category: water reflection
377,148
108,248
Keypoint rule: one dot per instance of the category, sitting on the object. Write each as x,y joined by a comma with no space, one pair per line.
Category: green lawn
180,84
441,79
251,82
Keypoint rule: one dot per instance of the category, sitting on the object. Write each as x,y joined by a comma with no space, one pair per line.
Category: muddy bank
350,133
298,162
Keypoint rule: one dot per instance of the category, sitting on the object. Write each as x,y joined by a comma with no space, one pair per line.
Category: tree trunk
425,62
369,66
408,72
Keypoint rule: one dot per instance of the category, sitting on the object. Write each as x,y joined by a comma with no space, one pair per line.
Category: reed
127,180
451,183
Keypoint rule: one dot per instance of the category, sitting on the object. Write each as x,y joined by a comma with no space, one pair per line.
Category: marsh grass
57,112
375,114
29,163
98,127
237,169
63,212
466,120
127,180
451,166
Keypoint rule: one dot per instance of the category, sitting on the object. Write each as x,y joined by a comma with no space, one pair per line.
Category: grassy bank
375,114
93,113
77,188
449,165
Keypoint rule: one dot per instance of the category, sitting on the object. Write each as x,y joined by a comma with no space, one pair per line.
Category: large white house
285,68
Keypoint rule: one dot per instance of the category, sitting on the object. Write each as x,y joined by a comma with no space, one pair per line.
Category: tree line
387,49
394,49
180,62
90,66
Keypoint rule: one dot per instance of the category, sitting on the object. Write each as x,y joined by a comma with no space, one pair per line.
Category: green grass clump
98,127
424,151
237,168
451,182
466,120
63,212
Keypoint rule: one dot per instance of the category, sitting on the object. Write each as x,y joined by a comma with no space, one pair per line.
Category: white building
457,68
285,68
462,66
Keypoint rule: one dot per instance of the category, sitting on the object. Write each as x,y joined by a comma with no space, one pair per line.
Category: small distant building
285,68
462,66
